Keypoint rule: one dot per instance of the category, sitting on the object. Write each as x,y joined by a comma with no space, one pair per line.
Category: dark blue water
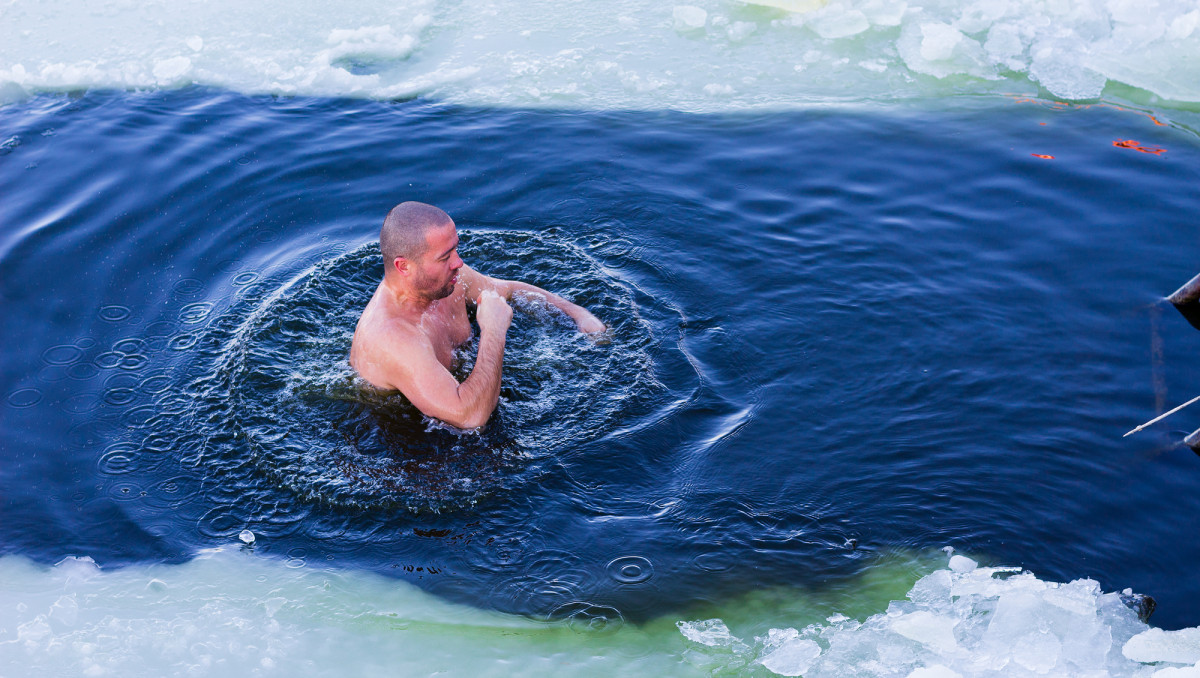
837,333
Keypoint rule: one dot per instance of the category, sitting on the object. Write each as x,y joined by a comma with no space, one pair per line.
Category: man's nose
457,262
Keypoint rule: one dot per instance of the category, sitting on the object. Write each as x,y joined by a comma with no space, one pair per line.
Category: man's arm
417,373
476,283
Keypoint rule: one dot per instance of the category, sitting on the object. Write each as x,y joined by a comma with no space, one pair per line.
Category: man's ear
401,265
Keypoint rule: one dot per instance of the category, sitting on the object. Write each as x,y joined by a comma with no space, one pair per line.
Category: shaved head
405,229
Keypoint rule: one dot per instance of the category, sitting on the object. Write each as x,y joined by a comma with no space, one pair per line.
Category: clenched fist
494,314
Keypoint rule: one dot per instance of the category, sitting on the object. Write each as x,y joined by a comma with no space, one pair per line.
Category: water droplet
108,360
119,396
188,287
182,342
82,402
114,313
82,371
155,384
130,345
25,397
630,569
162,328
194,313
64,354
118,459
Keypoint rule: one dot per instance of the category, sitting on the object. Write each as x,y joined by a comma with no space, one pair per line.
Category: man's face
436,271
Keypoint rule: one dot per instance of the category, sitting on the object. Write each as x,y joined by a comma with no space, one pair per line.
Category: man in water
407,334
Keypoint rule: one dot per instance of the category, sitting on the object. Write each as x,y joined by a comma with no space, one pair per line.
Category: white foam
970,621
702,55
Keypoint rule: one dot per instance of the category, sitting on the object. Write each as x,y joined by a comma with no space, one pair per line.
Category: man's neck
407,303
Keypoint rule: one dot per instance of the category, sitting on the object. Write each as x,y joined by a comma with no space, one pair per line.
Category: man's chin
441,294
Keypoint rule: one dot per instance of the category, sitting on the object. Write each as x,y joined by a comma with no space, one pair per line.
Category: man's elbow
467,420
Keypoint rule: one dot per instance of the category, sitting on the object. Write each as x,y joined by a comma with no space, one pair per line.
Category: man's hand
494,314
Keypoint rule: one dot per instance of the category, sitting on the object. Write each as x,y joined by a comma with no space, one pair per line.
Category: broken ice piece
247,537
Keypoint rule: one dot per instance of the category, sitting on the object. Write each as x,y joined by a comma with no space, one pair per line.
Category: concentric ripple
301,418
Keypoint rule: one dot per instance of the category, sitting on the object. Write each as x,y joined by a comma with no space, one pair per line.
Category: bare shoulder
384,349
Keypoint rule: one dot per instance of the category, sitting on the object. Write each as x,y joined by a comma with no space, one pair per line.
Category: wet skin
407,334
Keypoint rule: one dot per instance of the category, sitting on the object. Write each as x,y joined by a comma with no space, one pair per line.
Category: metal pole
1187,294
1193,441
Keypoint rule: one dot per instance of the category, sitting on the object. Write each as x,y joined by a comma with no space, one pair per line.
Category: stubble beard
429,293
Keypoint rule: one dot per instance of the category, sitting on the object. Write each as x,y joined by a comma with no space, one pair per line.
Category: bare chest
447,327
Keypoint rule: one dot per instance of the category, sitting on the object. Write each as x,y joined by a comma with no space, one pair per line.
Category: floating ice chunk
247,537
1156,645
939,49
273,604
77,569
34,632
976,17
1059,69
689,18
788,654
1078,597
982,582
1038,651
1005,47
962,564
710,632
373,42
65,610
884,12
1014,612
195,43
938,41
1183,26
171,70
932,590
740,30
1140,67
935,631
1086,643
718,90
797,6
838,22
935,671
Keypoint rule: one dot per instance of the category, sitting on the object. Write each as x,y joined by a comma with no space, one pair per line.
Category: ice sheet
698,55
